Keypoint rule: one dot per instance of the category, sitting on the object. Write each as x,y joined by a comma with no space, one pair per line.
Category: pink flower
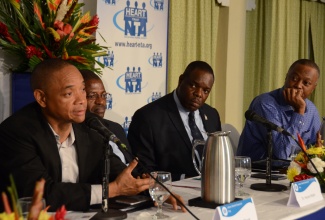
63,29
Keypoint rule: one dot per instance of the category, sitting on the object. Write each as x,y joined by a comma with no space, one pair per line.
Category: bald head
43,72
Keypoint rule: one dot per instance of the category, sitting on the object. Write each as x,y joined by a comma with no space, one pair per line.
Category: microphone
105,213
94,123
252,116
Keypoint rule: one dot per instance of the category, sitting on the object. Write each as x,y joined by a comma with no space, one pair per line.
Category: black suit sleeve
29,152
142,141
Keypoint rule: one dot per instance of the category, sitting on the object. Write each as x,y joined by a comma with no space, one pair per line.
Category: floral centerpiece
14,212
301,168
35,30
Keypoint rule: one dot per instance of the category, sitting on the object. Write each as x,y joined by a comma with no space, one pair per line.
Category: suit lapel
205,119
49,148
177,121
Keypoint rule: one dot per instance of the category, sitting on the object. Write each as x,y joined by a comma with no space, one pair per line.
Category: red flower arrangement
34,30
301,168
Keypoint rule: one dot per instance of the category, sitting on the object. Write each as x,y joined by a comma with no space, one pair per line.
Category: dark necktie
196,133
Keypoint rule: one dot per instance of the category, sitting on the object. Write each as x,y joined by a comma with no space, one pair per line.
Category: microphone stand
123,148
268,186
106,213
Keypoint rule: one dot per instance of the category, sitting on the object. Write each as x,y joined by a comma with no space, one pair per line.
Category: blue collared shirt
273,107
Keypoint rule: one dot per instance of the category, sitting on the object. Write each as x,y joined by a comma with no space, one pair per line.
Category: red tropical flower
302,177
60,213
93,23
4,33
32,50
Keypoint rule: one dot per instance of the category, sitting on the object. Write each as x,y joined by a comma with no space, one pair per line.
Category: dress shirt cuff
96,194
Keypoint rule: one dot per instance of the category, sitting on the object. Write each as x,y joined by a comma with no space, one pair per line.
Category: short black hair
88,75
43,72
305,62
201,65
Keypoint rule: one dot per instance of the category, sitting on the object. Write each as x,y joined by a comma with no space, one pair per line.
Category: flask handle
195,144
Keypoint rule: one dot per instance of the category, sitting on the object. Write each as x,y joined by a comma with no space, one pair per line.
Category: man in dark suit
160,133
96,103
48,139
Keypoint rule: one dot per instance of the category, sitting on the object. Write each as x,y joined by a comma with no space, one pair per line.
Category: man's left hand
171,200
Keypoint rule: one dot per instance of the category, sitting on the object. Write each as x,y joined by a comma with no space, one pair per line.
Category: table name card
240,210
304,192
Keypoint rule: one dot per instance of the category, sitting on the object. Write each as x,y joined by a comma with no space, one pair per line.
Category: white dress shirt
198,121
70,169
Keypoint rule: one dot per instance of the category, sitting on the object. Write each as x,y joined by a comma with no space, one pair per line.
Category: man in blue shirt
287,107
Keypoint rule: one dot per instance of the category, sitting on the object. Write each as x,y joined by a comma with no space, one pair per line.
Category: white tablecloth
269,205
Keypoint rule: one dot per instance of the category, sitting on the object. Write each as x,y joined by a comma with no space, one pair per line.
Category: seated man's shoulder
25,117
207,108
266,98
111,124
156,105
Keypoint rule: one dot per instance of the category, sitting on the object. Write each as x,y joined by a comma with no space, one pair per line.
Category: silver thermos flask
218,168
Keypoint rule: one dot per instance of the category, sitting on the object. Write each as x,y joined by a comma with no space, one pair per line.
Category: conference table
268,205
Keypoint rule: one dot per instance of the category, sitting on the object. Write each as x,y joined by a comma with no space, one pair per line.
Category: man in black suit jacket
96,103
49,140
159,132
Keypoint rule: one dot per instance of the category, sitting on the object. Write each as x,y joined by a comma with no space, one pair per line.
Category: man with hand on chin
287,107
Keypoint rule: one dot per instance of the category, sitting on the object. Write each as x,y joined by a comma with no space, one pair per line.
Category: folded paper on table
244,209
305,192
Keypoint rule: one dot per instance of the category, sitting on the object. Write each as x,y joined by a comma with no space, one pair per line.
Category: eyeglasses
94,96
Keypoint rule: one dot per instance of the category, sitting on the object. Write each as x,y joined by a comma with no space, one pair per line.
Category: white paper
240,210
305,192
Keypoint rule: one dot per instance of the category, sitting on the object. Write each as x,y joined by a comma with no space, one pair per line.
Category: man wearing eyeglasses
96,103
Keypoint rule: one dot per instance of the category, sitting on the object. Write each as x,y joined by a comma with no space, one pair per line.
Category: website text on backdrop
160,134
288,108
48,139
96,103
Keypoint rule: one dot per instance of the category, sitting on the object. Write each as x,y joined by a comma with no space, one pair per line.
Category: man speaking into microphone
288,108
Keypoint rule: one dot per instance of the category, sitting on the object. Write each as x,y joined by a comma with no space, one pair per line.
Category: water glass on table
294,152
26,203
242,172
158,193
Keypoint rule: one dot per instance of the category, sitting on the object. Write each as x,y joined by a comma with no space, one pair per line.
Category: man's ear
180,79
40,98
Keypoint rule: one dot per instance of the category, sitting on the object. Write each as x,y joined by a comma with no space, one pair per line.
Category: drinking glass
294,152
26,203
158,193
242,171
